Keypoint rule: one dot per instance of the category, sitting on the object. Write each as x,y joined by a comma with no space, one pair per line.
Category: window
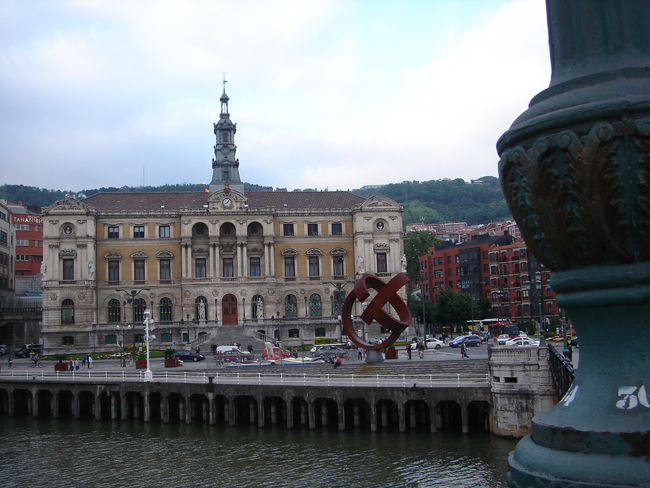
313,266
165,269
319,332
337,229
186,337
294,333
111,339
140,306
163,231
289,266
228,271
312,229
224,137
114,311
67,311
138,232
166,337
290,306
165,310
254,265
113,232
113,270
138,270
68,269
315,307
287,229
382,265
139,338
338,265
67,341
199,268
22,242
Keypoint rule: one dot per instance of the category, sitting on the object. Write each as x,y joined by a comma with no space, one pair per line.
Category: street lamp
538,286
148,326
122,332
130,297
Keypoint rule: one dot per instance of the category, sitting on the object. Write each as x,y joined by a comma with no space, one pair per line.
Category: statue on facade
43,269
91,270
260,308
360,266
403,263
201,308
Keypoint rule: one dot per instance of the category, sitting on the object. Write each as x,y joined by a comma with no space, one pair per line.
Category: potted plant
170,361
141,361
60,365
390,352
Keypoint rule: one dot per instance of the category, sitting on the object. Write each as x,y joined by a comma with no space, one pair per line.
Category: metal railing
258,378
562,371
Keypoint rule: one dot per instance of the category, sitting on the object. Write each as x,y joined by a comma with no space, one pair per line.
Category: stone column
232,418
35,403
54,404
11,407
252,412
113,406
76,408
304,417
384,415
312,414
401,414
356,413
189,413
341,415
433,419
211,409
575,170
206,408
289,414
124,406
97,407
147,408
323,413
181,409
464,418
274,412
373,417
261,413
164,408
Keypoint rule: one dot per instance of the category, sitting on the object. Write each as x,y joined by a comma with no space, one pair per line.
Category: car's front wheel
195,359
478,344
437,346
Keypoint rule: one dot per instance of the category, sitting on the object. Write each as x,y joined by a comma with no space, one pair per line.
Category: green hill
434,201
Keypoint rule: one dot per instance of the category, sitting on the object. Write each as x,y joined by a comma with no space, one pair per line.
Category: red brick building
28,224
498,268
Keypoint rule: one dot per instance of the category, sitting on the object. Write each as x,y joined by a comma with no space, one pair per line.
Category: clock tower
225,165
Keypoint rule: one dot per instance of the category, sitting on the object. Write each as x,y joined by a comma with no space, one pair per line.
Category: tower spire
225,165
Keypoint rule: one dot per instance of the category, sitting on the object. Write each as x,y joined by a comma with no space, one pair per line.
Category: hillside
435,200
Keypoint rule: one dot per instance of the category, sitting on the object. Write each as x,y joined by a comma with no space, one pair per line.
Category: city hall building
212,266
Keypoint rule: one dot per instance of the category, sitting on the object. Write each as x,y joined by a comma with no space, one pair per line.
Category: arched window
257,305
201,308
290,306
114,311
315,306
165,310
140,306
67,311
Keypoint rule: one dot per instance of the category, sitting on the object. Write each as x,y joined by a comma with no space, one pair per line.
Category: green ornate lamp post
575,169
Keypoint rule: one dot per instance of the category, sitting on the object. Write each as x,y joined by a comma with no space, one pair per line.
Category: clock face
380,225
227,202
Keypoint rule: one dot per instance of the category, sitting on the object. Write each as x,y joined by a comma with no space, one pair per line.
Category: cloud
325,93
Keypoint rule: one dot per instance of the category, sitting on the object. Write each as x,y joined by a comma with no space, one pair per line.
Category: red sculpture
386,293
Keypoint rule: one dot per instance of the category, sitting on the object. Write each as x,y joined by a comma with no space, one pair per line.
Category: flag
207,190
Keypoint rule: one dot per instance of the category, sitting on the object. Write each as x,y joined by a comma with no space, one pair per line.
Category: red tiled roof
171,201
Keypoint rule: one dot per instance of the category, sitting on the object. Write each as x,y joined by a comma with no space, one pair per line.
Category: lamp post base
148,375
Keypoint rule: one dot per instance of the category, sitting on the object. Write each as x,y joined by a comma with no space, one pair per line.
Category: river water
48,452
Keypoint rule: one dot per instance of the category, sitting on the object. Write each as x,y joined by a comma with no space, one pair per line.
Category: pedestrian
11,362
570,352
420,350
408,350
338,362
76,364
198,350
463,351
83,361
90,361
360,354
70,365
250,348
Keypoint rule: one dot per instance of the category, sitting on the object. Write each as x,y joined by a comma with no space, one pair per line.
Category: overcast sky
325,94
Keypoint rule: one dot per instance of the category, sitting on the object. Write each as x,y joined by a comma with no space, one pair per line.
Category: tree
415,246
453,307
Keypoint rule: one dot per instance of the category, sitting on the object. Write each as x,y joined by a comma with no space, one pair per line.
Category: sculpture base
374,356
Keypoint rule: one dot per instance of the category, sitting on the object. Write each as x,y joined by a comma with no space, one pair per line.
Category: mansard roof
171,201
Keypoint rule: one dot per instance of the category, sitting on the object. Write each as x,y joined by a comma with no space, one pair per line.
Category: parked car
329,350
503,338
468,340
234,355
188,356
4,349
277,354
430,344
574,342
28,349
522,341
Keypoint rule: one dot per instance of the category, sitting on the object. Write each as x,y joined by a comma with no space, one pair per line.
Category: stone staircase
230,334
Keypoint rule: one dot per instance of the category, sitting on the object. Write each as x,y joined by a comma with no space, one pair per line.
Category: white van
223,349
